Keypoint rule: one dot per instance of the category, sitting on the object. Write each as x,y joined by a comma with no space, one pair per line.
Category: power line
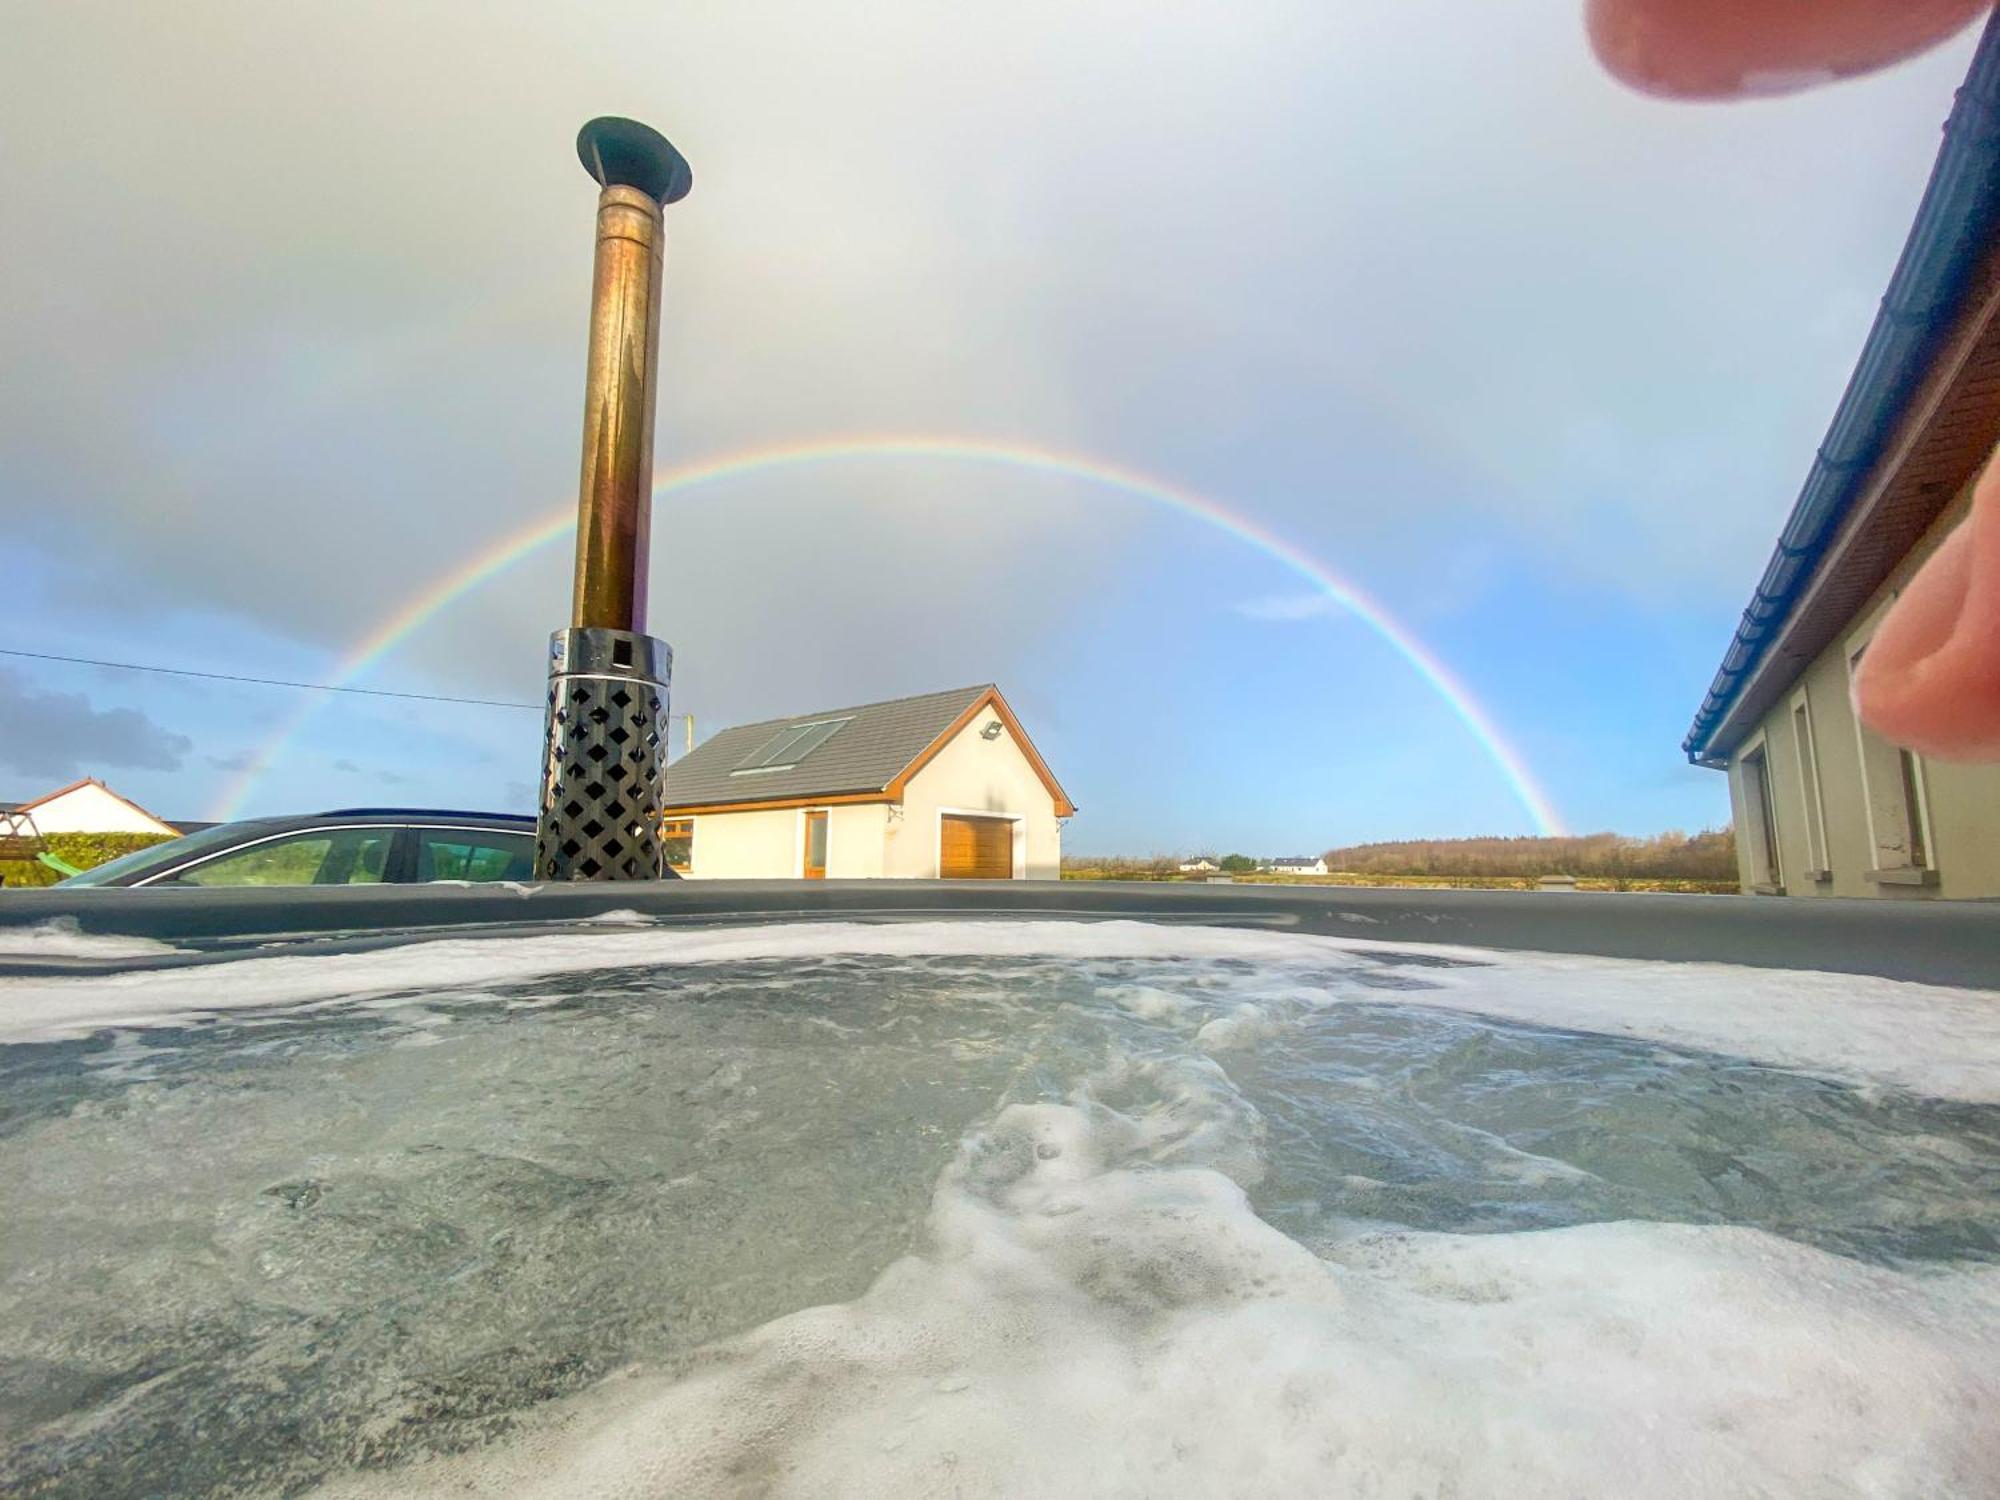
283,682
311,687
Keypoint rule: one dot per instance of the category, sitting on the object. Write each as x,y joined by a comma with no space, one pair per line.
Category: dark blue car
352,846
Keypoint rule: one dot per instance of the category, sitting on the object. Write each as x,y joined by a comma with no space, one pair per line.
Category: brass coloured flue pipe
639,173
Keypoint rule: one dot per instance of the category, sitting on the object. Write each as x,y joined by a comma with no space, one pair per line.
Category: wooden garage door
976,849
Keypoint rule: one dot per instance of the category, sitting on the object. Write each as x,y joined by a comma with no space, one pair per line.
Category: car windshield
162,856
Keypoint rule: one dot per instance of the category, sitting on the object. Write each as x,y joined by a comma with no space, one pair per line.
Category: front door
815,846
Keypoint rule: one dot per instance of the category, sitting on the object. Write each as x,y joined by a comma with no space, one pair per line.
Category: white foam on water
1935,1040
64,937
1244,1026
1093,1306
1098,1311
1148,1002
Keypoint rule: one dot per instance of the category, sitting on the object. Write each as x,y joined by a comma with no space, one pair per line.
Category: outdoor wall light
991,731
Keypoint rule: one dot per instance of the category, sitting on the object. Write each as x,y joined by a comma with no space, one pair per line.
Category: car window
334,856
165,856
474,854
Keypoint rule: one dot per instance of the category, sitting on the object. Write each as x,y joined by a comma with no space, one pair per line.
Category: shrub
84,851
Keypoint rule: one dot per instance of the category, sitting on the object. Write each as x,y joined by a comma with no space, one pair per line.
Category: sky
292,324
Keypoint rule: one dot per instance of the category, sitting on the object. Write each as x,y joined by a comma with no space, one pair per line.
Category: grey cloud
1365,272
385,777
240,761
60,735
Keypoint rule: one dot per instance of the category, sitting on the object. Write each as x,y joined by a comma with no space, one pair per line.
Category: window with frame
1806,750
1760,820
678,834
1897,803
338,856
474,854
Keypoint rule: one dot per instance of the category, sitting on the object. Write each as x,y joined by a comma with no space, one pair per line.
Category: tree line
1674,855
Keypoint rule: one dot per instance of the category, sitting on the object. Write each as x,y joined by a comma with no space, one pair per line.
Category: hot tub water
1010,1208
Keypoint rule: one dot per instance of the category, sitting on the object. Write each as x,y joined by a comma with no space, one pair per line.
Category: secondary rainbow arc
560,522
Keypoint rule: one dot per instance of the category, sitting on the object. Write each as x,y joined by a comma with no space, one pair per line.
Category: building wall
977,775
771,845
92,809
869,840
745,845
1963,801
855,837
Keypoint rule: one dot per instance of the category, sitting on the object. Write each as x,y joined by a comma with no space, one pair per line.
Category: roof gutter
1956,223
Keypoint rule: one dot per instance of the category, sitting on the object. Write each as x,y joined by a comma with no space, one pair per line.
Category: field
1702,863
1418,882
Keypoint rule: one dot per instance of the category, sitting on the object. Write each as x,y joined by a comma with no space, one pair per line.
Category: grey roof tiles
874,746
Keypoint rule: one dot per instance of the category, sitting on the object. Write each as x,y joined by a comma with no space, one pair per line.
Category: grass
1424,882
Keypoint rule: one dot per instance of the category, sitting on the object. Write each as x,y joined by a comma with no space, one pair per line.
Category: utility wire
311,687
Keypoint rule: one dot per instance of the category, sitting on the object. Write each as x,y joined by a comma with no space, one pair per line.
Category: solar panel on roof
813,736
771,752
789,746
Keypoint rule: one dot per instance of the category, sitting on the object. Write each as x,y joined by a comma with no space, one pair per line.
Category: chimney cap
624,153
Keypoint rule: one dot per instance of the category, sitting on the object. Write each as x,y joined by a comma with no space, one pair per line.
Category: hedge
83,850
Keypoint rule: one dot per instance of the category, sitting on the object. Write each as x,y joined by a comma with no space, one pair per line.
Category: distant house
87,806
1201,864
943,785
1824,806
1299,866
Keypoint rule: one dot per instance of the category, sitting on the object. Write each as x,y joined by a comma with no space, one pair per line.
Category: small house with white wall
1200,864
87,806
942,785
1298,866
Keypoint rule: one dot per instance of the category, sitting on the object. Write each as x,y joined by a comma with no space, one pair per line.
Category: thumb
1931,676
1725,49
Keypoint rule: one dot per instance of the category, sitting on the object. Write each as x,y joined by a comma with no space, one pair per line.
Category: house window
1910,781
1806,749
679,836
1760,820
1892,786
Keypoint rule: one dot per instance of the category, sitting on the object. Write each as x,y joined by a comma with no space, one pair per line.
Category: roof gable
877,748
874,745
86,784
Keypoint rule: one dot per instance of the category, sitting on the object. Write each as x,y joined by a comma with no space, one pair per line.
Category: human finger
1931,676
1721,49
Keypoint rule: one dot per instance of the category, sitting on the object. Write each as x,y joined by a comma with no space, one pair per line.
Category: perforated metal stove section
605,757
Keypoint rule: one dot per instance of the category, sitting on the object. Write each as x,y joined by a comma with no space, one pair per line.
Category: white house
87,806
1201,864
1298,866
944,785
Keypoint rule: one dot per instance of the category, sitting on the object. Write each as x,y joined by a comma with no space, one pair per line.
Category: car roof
424,815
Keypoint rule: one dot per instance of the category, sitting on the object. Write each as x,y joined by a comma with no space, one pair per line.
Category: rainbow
559,523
